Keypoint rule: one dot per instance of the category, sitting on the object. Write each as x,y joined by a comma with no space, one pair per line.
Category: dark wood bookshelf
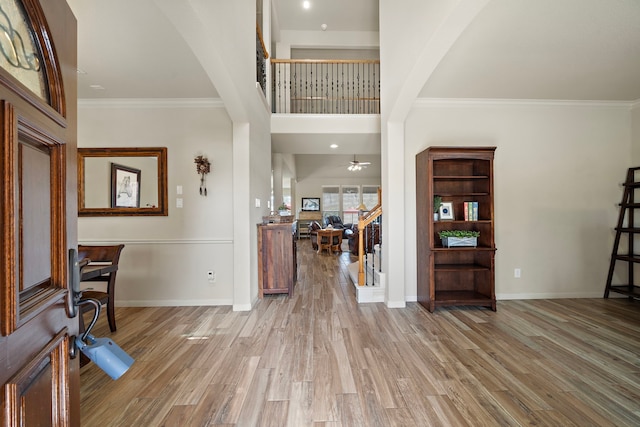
456,276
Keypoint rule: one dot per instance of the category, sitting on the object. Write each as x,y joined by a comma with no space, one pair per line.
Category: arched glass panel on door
20,54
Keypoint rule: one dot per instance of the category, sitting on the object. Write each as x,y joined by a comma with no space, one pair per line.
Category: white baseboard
369,298
550,295
173,303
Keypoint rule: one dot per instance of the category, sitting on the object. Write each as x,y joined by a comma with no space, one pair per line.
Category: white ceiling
321,143
545,49
514,49
130,50
335,166
519,49
338,15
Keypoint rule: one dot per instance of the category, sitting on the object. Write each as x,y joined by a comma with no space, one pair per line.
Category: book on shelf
470,211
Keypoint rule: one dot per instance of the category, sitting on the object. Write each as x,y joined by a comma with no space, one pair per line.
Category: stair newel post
361,251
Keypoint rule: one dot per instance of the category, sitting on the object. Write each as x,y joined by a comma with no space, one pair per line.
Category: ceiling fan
355,165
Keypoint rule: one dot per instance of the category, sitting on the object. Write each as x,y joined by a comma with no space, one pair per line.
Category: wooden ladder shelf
627,211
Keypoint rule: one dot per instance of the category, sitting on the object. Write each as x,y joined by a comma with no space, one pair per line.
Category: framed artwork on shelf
446,210
125,186
311,204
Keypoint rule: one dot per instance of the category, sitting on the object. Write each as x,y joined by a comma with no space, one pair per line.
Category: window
344,200
350,203
370,196
330,200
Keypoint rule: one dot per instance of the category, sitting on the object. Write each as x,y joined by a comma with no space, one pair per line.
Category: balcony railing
325,86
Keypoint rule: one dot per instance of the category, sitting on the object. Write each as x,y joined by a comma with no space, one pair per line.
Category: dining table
330,239
89,270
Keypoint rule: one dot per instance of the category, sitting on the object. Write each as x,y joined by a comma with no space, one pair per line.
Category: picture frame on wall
311,204
446,210
125,186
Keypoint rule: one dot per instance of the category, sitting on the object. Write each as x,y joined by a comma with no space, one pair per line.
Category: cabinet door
276,258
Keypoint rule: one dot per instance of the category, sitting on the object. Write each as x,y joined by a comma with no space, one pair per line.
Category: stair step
366,294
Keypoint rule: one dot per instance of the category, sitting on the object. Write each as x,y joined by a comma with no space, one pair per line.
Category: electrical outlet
211,276
516,273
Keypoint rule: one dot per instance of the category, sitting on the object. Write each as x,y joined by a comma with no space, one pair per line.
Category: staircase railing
310,86
369,227
261,60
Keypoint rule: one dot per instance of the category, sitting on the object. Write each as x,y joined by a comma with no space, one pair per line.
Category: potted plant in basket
283,209
453,238
437,202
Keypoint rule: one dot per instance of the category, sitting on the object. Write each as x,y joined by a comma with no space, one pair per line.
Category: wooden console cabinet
277,260
457,275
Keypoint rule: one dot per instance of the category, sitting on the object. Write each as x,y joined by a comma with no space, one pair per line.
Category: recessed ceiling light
334,146
306,4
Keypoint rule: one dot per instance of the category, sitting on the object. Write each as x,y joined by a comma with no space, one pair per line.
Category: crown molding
151,103
430,102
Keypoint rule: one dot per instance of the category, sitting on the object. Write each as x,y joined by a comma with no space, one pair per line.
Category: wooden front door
38,219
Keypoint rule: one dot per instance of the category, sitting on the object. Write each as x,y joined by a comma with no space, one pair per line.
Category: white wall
259,173
207,27
558,167
165,259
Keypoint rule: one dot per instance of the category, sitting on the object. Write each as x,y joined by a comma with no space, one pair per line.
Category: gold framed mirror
122,181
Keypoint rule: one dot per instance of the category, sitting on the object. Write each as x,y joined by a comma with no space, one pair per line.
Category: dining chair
100,255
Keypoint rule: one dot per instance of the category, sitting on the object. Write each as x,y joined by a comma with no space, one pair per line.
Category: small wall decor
203,167
311,204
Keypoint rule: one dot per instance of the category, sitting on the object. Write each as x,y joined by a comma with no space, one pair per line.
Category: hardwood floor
321,359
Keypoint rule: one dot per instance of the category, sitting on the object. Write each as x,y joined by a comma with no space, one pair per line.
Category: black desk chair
108,257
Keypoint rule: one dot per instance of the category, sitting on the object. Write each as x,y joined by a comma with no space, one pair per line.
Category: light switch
178,203
257,203
179,189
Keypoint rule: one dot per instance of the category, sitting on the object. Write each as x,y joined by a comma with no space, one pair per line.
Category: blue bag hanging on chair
106,354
